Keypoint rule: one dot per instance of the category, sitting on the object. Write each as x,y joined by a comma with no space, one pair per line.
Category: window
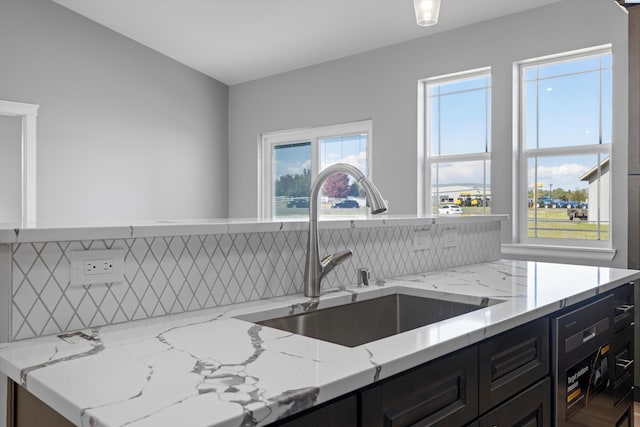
565,149
457,134
290,160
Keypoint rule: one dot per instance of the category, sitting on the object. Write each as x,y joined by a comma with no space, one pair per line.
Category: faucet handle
330,261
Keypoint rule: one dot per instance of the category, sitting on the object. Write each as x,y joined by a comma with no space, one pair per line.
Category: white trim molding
28,113
559,253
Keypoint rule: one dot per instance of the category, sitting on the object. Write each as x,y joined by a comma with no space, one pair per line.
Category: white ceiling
235,41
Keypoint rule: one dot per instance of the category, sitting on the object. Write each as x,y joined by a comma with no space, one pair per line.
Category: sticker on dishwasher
586,379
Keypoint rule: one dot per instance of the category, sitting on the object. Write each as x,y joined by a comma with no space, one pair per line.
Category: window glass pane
434,125
530,73
291,178
463,122
465,184
569,110
341,194
351,149
531,115
464,85
568,197
568,67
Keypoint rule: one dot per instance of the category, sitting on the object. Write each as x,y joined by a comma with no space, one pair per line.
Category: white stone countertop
11,233
208,368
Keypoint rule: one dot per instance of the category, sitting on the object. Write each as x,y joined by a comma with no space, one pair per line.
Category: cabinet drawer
341,412
624,307
623,351
530,408
512,361
439,393
622,386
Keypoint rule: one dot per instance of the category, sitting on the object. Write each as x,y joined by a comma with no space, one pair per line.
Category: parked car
546,202
298,203
346,204
449,209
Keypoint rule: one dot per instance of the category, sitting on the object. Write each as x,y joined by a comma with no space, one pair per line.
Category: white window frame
522,155
28,113
425,158
271,139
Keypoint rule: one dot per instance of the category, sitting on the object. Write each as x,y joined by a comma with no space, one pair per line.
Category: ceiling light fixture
426,12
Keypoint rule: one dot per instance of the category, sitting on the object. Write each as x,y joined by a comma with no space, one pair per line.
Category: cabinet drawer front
339,413
530,408
439,393
624,307
623,352
512,361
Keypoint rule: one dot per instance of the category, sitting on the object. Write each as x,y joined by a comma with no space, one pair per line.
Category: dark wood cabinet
512,361
441,393
531,408
26,410
342,412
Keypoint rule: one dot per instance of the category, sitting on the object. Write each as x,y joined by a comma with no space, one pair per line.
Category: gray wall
382,85
124,133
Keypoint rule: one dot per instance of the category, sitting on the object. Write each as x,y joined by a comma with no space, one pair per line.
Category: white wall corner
5,292
5,319
3,400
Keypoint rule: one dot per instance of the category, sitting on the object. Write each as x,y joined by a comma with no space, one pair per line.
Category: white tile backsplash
183,273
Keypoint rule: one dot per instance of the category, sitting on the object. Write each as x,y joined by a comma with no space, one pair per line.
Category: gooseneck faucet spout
315,268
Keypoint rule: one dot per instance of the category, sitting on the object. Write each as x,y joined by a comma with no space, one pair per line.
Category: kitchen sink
361,322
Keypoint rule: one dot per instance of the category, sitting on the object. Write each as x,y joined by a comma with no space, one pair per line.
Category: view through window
458,141
566,136
294,159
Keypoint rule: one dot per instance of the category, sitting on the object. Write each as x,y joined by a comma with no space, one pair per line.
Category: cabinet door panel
512,361
27,411
339,413
624,307
439,393
531,408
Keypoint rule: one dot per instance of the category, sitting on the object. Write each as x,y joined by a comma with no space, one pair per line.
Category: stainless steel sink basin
361,322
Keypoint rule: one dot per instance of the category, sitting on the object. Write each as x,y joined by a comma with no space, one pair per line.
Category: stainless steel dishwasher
584,362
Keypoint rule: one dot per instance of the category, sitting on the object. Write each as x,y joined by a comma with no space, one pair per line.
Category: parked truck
577,212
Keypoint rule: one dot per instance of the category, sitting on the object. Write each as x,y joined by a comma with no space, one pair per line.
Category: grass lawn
554,224
325,209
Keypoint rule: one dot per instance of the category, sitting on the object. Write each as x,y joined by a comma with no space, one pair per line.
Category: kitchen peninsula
215,367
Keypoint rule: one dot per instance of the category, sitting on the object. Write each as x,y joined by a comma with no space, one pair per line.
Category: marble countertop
209,368
12,233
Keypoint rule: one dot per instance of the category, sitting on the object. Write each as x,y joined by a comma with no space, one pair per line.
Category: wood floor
636,413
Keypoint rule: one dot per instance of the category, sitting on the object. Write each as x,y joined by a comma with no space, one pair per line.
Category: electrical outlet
421,240
96,266
99,266
450,238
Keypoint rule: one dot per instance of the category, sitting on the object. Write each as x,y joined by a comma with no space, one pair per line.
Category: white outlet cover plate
77,276
450,238
421,240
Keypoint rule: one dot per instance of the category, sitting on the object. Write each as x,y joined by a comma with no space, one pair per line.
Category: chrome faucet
315,268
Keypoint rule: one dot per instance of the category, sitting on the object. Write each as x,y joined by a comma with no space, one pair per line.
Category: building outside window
565,149
290,160
457,134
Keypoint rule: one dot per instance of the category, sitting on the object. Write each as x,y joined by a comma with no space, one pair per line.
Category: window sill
565,254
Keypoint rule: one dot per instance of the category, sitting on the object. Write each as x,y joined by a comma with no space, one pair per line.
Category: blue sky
293,158
569,107
569,116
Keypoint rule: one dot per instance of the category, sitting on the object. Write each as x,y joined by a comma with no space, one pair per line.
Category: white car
449,209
